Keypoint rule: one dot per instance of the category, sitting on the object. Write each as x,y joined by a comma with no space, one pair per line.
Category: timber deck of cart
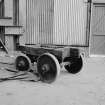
49,60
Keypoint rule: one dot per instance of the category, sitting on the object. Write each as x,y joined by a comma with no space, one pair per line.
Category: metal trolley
49,60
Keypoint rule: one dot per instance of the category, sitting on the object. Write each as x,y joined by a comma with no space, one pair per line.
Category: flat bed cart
49,60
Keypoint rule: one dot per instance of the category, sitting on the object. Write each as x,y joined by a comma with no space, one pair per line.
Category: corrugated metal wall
56,22
77,22
39,21
22,21
61,21
31,13
70,22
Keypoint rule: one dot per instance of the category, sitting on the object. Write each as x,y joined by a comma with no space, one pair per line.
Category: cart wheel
75,65
22,63
48,67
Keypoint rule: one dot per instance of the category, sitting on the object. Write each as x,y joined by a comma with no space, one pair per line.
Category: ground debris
8,73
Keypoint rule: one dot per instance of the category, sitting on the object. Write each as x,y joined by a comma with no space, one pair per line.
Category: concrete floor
84,88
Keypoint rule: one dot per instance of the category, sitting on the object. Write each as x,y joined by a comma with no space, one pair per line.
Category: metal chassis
60,52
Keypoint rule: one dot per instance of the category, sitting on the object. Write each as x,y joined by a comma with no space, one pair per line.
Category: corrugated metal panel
46,22
22,20
61,19
77,22
70,22
56,22
30,21
39,21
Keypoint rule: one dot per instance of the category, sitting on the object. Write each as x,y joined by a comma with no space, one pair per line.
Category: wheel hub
21,64
45,68
48,67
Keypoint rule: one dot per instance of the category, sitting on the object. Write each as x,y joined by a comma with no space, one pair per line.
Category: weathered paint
10,32
8,8
9,42
97,42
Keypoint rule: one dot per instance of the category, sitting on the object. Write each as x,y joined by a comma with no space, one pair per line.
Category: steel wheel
75,65
48,67
22,63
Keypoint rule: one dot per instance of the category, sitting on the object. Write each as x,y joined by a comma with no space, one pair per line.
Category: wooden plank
7,21
8,8
59,53
37,51
98,1
13,30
